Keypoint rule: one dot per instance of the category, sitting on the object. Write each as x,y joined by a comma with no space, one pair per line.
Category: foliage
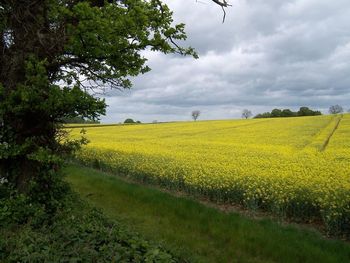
79,120
335,109
303,111
55,57
195,114
289,113
279,165
18,209
263,115
78,234
246,114
131,121
276,113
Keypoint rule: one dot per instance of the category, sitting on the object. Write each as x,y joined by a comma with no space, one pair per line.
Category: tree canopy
195,114
246,114
56,56
129,120
335,109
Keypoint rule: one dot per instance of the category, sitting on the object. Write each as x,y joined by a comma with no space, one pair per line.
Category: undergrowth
76,233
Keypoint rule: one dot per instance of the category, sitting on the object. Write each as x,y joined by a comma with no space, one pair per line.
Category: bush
78,233
19,210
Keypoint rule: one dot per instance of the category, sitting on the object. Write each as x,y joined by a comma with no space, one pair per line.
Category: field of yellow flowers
297,168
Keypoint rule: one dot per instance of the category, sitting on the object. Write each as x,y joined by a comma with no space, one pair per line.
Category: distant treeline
131,121
303,111
80,120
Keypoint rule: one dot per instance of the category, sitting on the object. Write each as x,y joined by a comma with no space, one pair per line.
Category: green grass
199,233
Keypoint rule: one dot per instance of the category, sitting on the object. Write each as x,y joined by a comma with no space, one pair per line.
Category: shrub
78,233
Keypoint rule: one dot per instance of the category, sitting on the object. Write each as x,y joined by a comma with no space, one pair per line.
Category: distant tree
195,114
138,122
129,121
155,121
246,114
288,113
263,115
304,111
276,113
335,109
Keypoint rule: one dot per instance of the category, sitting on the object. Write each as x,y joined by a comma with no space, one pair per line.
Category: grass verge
199,233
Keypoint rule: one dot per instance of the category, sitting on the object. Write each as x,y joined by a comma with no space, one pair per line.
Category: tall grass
200,233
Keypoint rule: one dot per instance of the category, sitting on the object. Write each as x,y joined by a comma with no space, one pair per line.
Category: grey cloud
267,54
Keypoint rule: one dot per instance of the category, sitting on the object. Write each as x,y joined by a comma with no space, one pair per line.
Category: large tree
54,54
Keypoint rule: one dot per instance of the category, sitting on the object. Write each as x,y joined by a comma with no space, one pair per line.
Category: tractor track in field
325,144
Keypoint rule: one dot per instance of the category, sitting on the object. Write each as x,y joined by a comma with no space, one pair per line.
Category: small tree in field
195,114
129,121
246,114
335,109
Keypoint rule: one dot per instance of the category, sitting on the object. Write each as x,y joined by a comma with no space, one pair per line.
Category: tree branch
223,4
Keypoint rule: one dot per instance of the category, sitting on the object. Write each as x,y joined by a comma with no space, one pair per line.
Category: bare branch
224,4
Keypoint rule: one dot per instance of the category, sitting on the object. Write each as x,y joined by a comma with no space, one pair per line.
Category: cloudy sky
268,54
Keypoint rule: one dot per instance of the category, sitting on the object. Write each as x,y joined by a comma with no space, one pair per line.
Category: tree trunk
23,39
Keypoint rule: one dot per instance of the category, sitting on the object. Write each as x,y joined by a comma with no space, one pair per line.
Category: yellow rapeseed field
293,167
